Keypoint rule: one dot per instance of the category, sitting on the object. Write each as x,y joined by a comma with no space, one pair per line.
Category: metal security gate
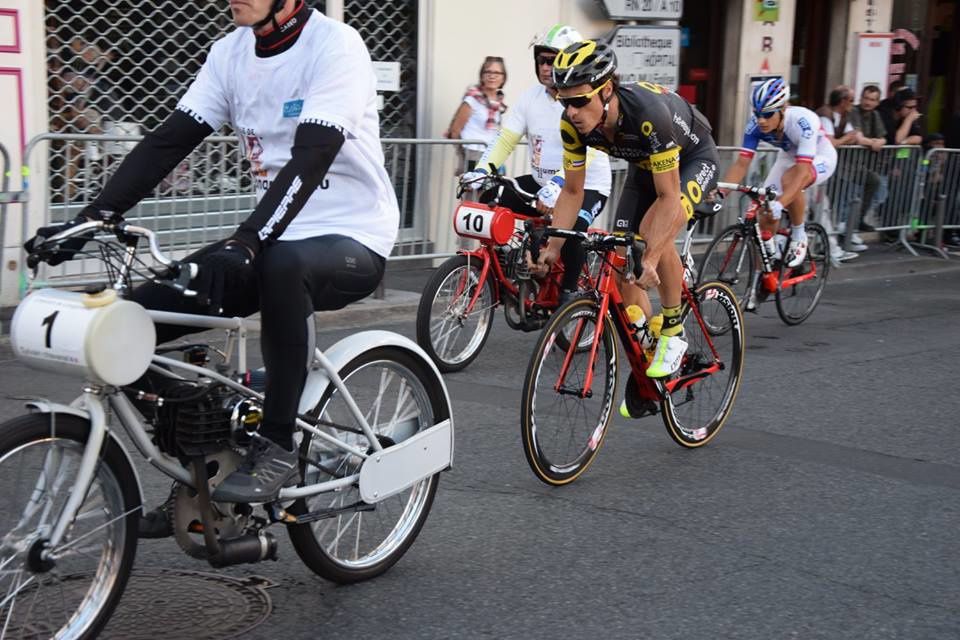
118,67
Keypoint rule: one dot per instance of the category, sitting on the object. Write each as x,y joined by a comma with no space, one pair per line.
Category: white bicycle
374,432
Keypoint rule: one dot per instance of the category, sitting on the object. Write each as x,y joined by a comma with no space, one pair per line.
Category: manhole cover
173,603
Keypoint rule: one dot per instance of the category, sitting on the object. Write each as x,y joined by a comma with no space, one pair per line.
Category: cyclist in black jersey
673,166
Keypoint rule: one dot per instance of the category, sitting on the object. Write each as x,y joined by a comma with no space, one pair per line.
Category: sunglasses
765,115
582,100
548,60
493,73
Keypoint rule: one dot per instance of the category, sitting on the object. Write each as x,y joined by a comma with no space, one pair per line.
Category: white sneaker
839,255
667,357
797,252
856,239
857,246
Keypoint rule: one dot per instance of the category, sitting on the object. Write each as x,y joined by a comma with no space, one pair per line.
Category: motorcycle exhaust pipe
253,547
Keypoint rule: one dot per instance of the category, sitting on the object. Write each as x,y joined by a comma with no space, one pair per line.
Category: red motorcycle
455,314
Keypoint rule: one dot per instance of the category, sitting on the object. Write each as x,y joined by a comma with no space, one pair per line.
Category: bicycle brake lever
635,258
178,277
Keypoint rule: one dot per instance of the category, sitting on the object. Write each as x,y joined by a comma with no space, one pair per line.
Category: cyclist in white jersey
300,91
806,158
537,115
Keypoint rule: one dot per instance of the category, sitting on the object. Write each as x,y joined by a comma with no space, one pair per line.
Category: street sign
648,54
644,9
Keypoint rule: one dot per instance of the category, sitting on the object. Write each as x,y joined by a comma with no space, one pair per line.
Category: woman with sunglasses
673,165
535,115
479,114
806,158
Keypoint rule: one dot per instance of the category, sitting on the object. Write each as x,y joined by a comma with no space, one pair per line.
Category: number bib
473,220
95,337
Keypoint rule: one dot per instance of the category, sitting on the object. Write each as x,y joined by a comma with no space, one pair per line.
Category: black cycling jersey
656,130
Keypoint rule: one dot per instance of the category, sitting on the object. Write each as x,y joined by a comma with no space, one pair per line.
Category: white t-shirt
327,78
830,125
476,126
537,115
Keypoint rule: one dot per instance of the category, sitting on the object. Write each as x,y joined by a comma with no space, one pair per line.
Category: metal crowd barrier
208,194
936,200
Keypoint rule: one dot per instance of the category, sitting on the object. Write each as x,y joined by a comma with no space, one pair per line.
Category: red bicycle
739,258
569,389
455,313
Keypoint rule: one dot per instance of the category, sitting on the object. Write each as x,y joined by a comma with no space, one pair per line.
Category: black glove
220,271
63,251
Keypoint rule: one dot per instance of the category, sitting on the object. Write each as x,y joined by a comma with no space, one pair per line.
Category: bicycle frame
610,302
751,231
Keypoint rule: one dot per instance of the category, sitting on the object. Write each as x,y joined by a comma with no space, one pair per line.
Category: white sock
798,232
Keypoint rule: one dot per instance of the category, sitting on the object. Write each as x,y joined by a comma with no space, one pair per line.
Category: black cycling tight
289,281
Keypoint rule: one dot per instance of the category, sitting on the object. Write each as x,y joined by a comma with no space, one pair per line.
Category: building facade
101,66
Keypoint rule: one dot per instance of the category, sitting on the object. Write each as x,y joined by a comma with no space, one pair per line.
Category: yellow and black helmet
587,62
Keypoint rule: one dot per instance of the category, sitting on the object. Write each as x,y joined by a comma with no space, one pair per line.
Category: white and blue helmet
770,96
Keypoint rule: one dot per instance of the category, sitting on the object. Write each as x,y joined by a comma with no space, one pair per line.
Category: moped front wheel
70,589
455,313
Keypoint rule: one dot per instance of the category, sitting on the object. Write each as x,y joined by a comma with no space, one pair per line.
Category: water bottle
647,332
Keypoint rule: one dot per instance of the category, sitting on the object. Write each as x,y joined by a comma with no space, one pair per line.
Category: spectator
887,107
834,116
480,112
839,130
905,128
866,118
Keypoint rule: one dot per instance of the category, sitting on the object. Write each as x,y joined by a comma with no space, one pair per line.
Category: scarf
494,107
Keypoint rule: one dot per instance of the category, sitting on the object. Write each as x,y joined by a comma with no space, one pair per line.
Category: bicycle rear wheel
797,301
399,397
562,431
452,336
694,412
731,259
68,591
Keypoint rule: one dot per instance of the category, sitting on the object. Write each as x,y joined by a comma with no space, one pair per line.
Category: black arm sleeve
314,148
146,165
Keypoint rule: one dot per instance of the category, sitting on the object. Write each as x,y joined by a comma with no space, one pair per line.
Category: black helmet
588,62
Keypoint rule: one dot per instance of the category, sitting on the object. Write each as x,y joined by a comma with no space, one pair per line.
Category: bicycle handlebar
178,274
760,193
601,241
493,178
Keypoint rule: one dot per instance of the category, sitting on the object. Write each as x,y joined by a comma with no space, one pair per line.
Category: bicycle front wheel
448,328
67,591
399,397
796,301
563,423
731,259
710,372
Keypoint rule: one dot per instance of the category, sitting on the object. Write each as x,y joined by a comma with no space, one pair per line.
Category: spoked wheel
399,397
67,591
796,301
711,370
448,328
563,427
731,259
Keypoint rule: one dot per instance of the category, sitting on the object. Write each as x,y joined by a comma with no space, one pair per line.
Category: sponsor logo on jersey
685,128
292,108
806,129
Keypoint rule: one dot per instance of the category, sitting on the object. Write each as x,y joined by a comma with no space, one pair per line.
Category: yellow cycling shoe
667,356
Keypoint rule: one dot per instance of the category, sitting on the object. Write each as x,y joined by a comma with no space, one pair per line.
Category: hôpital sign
647,54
